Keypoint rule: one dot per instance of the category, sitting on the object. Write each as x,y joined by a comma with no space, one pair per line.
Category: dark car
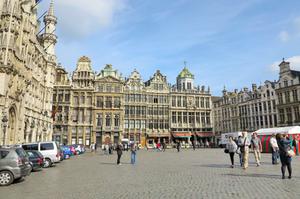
14,165
36,160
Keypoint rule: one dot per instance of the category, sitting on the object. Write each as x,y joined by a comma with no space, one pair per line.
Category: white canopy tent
282,130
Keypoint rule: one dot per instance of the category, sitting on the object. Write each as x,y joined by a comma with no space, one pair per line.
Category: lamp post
4,122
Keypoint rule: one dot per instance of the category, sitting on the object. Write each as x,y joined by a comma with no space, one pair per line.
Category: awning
205,134
155,135
181,134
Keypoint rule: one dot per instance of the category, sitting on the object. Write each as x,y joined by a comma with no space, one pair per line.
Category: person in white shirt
274,148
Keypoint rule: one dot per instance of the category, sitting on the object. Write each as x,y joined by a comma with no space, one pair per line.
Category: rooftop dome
185,73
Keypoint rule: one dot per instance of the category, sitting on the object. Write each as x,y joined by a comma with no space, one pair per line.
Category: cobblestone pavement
204,173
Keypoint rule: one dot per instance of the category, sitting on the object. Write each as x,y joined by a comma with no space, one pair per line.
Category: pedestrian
257,148
285,157
178,146
239,151
274,149
158,147
95,146
207,144
106,149
133,150
92,147
164,145
194,144
295,144
231,147
245,149
119,153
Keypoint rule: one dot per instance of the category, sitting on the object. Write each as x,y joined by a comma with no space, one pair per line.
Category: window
202,102
184,117
285,83
126,124
281,115
179,117
173,117
198,117
131,124
99,119
155,100
189,86
117,102
47,146
117,120
297,114
3,154
60,97
99,102
67,97
108,103
30,147
295,96
289,114
174,101
107,120
75,99
179,101
287,96
191,117
89,100
143,124
280,99
197,102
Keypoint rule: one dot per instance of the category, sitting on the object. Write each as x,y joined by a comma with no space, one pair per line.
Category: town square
149,99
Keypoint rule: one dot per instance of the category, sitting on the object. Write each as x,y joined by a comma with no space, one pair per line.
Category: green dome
185,73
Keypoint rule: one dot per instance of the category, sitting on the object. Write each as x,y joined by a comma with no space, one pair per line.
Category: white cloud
294,63
284,36
80,18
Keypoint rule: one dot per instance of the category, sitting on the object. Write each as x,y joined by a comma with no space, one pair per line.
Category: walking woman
231,147
285,157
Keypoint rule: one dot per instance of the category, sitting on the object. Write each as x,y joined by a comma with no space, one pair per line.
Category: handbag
238,151
290,153
226,151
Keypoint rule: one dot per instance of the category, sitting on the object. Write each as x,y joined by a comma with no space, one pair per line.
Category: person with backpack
133,150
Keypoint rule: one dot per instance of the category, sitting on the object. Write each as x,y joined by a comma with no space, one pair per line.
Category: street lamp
4,122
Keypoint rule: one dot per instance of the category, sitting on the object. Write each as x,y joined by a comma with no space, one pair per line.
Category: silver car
14,165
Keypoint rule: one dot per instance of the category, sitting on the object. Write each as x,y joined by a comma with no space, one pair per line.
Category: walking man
119,153
178,146
245,149
257,148
274,148
133,150
239,143
95,146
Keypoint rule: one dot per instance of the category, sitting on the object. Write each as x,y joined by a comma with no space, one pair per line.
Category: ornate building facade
288,92
27,72
246,110
106,108
190,110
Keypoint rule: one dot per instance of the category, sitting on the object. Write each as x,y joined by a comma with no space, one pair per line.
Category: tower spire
51,8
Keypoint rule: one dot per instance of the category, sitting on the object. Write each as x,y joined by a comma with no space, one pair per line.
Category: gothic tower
49,38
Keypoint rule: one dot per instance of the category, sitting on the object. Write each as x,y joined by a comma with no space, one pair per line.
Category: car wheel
47,163
6,178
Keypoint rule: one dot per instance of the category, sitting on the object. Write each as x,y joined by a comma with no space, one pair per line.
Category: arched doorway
12,123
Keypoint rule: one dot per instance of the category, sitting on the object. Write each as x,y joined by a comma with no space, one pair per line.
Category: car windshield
21,153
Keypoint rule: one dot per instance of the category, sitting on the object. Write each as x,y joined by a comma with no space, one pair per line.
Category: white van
49,150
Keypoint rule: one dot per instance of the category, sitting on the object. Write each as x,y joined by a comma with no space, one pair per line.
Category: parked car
72,149
49,150
66,152
79,148
14,165
36,160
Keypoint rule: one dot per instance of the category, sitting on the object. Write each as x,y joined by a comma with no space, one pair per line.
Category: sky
230,43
